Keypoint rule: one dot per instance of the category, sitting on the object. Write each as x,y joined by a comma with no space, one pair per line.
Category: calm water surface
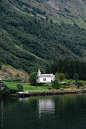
49,112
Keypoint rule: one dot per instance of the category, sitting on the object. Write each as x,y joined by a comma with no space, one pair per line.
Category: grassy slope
9,71
29,88
26,86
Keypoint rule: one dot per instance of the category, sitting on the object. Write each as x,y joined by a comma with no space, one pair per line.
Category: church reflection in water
46,106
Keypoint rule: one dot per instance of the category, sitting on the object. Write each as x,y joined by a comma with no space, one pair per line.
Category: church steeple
39,72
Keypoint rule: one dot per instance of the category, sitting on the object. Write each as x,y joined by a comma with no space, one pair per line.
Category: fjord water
45,112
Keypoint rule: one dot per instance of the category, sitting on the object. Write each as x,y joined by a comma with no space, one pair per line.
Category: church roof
46,75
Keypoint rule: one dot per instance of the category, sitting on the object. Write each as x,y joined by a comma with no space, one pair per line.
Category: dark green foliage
37,10
76,76
61,76
26,40
69,67
51,21
5,91
33,78
55,84
78,84
33,12
20,87
36,67
67,10
66,75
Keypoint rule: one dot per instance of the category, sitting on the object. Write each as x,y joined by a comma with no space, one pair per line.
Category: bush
78,84
55,84
20,87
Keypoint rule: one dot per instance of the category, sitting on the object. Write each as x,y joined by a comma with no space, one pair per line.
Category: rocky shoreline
28,94
46,93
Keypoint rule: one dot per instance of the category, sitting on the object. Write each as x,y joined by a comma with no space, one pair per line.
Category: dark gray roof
46,75
2,85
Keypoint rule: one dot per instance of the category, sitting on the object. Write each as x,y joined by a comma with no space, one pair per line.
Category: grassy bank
26,86
69,85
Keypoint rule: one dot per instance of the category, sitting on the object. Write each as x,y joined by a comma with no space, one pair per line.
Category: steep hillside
11,73
30,35
67,11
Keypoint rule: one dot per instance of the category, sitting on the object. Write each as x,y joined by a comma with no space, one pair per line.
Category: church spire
39,72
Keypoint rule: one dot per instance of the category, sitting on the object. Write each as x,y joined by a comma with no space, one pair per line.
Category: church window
44,79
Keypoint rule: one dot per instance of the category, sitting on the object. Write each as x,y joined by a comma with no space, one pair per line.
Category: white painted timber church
45,78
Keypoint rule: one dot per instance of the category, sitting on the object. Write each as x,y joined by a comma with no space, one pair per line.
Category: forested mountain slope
67,11
30,35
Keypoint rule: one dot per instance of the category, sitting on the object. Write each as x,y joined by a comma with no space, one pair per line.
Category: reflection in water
2,114
21,99
58,112
46,106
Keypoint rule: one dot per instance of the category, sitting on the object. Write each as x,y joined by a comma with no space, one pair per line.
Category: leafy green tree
76,76
33,78
78,84
61,76
20,87
55,84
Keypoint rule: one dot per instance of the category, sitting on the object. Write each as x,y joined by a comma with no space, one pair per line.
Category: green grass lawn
29,88
26,86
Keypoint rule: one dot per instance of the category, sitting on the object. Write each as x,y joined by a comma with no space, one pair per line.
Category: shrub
20,87
78,84
55,84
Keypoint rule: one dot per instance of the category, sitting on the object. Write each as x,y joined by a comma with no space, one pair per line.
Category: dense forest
68,67
27,40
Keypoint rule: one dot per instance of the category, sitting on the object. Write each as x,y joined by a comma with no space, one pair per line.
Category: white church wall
45,79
